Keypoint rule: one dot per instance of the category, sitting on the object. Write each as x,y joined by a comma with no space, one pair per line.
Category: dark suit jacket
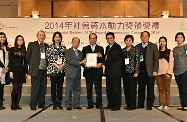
73,67
152,58
33,57
113,63
87,49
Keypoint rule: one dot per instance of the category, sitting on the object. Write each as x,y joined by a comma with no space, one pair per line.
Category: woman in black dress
18,70
3,66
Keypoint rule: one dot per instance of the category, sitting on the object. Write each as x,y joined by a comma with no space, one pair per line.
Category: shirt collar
144,44
75,49
40,42
111,45
93,45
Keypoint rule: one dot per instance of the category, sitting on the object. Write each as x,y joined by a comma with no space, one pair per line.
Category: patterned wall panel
64,8
136,8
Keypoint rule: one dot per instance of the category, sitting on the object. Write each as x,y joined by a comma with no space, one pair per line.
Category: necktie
93,48
77,53
107,51
41,47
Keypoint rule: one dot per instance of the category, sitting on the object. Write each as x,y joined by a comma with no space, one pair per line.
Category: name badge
42,56
59,61
126,61
141,58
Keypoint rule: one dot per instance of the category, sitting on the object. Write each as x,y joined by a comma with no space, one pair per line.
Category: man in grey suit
35,57
149,62
74,60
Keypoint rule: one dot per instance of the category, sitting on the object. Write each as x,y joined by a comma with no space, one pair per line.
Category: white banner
82,27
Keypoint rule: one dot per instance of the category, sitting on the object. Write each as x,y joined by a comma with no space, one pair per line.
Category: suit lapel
89,48
148,50
112,47
74,55
45,46
80,56
96,48
37,46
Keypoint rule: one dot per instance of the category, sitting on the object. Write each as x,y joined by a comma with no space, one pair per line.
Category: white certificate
91,60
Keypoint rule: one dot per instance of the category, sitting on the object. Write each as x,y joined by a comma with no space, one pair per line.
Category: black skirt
19,75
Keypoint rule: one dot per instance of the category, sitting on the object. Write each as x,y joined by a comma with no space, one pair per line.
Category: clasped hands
12,76
59,66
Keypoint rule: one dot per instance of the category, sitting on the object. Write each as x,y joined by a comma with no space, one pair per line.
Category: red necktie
41,45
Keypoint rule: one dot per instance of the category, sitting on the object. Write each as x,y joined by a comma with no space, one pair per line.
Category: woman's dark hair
129,36
5,43
23,48
163,37
110,33
180,33
55,35
166,48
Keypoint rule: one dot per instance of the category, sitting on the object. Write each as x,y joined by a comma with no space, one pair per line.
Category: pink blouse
165,66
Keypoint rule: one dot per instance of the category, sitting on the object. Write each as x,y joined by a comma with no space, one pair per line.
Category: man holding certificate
94,54
113,72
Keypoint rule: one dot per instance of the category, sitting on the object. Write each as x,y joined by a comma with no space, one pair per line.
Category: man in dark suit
113,72
93,75
73,75
149,62
35,57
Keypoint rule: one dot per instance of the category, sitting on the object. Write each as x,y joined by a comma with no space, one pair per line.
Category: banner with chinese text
82,27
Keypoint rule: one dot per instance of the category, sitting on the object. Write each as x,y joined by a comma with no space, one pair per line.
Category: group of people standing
145,63
138,65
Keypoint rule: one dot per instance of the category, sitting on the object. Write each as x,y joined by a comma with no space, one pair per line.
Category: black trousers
1,91
38,88
129,86
57,87
182,86
143,81
93,77
113,88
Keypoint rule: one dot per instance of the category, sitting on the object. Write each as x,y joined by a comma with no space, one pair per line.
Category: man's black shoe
89,107
43,106
138,107
69,108
33,108
149,108
78,108
115,109
98,106
107,107
130,108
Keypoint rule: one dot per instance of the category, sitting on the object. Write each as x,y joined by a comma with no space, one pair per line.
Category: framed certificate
91,60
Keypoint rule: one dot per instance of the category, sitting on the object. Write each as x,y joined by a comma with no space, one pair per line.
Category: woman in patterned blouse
55,55
130,72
